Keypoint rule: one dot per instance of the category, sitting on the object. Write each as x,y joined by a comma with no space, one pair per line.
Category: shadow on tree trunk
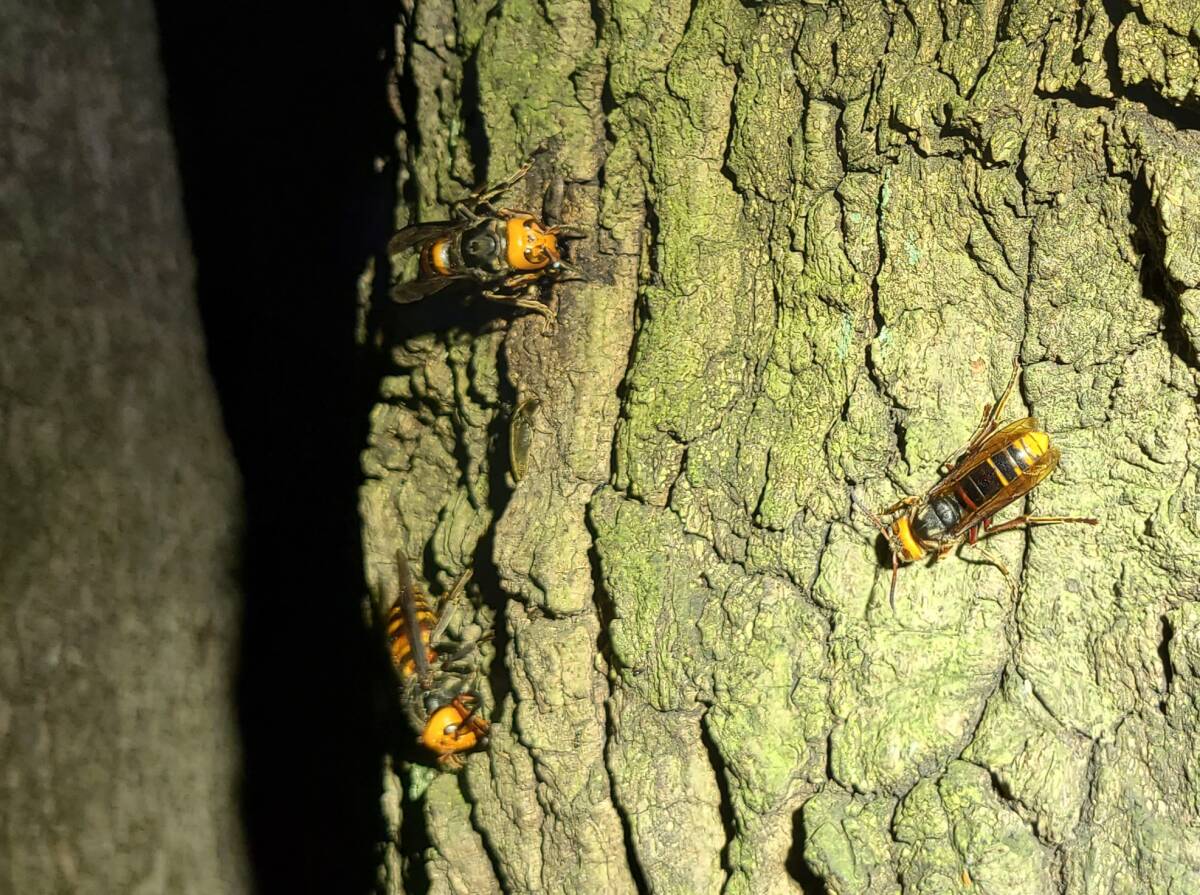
278,119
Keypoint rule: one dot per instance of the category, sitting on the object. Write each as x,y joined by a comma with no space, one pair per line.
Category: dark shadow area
457,307
883,553
1144,92
797,867
278,115
1150,242
728,819
474,129
1164,656
487,575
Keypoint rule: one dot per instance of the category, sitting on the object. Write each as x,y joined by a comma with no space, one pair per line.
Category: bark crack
489,848
878,325
725,806
1164,656
630,840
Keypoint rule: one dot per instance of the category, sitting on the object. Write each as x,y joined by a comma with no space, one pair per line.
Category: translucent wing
407,291
418,233
408,602
1014,490
1002,437
1016,487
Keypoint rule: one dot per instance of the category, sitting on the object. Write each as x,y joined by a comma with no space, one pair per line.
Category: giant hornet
995,468
435,689
509,253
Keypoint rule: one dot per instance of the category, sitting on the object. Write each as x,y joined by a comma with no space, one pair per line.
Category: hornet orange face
910,548
452,729
530,245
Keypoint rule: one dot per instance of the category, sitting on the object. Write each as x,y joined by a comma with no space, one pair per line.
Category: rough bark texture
822,232
118,492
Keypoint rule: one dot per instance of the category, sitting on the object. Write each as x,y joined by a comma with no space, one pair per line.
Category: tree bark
118,494
821,233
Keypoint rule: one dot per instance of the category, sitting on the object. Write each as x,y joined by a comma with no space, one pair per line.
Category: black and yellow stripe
398,639
987,478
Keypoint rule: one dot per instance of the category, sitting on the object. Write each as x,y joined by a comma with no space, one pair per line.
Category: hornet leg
483,197
987,425
523,301
995,560
1026,521
895,573
899,505
450,600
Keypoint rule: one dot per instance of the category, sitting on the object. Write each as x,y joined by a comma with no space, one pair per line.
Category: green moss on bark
821,234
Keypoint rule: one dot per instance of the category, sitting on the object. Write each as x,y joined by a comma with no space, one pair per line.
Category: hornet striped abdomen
1015,459
399,640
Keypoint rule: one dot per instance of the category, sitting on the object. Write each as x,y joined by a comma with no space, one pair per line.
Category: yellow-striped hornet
509,253
436,687
996,467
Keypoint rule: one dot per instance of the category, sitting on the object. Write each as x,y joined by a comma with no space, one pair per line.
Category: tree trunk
820,234
118,493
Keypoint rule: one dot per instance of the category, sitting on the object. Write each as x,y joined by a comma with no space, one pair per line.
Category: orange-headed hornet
509,253
995,468
435,689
